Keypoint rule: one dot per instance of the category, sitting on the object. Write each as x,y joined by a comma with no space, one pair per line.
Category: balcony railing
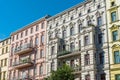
77,68
27,77
23,63
66,52
23,49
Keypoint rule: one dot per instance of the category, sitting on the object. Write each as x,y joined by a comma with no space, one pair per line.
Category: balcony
23,63
61,53
26,77
23,49
68,53
76,70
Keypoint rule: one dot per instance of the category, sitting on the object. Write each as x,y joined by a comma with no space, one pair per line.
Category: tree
62,73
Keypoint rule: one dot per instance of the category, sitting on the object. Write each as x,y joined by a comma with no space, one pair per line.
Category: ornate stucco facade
78,37
113,19
4,55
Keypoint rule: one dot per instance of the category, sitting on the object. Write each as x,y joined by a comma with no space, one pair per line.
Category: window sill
114,21
115,41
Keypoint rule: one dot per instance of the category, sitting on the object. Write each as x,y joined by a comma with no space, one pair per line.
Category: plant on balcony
62,73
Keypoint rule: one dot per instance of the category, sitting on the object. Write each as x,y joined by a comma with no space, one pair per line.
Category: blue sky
15,14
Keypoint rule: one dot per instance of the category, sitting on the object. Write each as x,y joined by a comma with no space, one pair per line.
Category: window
98,7
2,43
113,16
31,31
115,35
88,11
26,32
10,62
52,65
100,38
89,22
72,46
102,76
50,27
6,49
72,64
35,70
41,69
71,18
86,40
2,50
16,36
79,27
21,34
36,41
64,33
42,25
6,41
37,54
42,39
80,14
52,50
57,34
12,38
71,31
79,45
1,63
5,64
87,59
116,57
64,21
31,42
117,77
113,3
99,21
87,77
101,57
4,74
56,24
41,53
37,27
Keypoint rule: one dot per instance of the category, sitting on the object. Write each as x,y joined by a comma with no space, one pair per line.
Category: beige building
4,54
113,20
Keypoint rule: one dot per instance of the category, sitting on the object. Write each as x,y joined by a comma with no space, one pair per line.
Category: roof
69,9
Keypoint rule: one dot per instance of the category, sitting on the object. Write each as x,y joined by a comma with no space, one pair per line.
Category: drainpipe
107,38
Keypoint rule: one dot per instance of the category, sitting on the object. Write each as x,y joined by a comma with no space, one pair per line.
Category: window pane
52,50
86,40
117,77
101,57
72,46
115,35
36,41
99,21
113,16
64,33
117,57
87,59
71,31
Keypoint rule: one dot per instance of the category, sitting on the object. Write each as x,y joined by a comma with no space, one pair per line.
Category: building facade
27,56
4,55
113,19
78,37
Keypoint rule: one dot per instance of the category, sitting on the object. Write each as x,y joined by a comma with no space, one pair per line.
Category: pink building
27,57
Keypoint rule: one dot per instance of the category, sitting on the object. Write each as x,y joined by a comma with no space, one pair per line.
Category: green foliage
62,73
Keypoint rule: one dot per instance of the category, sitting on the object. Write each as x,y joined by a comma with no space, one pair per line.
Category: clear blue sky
15,14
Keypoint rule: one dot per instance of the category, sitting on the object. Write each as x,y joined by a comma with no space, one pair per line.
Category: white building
78,37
